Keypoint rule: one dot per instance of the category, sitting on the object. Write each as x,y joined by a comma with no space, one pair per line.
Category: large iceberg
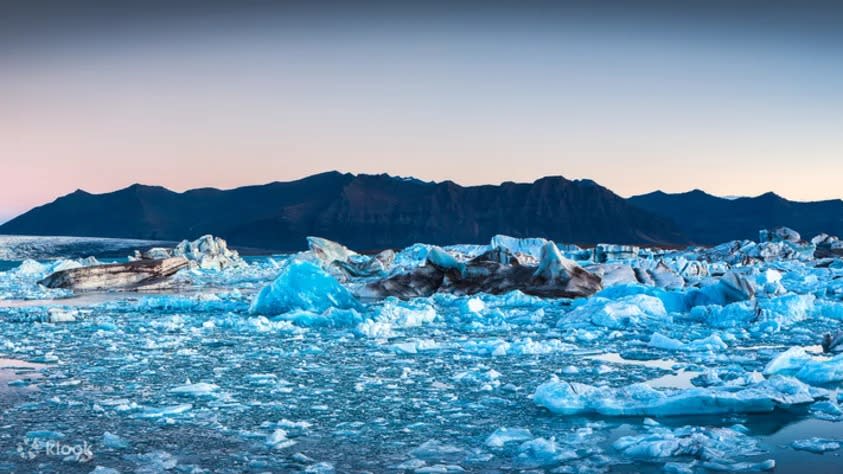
495,271
302,286
207,253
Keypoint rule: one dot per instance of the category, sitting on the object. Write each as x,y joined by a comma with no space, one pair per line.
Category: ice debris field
520,355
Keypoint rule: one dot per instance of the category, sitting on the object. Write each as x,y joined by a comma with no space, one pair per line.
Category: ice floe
570,398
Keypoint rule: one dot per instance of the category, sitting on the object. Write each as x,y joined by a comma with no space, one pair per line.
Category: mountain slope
363,211
707,219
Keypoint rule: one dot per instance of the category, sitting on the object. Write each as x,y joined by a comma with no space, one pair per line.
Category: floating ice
165,411
613,274
715,445
732,287
346,263
44,434
278,440
441,259
612,252
529,247
570,398
501,436
113,441
195,389
807,368
541,452
710,343
615,314
435,450
733,467
457,368
816,445
320,468
302,286
104,470
395,314
154,462
206,253
779,234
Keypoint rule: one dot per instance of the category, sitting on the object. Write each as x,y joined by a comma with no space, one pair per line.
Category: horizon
731,99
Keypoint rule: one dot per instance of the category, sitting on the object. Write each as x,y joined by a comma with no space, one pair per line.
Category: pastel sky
736,98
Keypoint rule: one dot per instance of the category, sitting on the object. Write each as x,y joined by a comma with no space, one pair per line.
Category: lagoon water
192,381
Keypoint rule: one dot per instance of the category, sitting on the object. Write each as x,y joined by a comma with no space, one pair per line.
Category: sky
736,98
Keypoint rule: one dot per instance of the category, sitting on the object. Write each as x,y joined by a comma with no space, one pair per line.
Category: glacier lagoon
696,360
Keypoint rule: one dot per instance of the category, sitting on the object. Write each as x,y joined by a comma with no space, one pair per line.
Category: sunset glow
270,93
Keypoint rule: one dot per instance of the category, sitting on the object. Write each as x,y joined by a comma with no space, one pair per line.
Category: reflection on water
681,379
18,375
791,460
678,378
615,358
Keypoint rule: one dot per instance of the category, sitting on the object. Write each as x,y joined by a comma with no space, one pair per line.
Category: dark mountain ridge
707,219
378,211
363,211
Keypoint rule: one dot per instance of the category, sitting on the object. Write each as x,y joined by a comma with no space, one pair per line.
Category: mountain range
369,212
707,219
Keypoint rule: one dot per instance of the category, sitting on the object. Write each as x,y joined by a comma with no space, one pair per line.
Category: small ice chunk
541,452
104,470
626,311
62,315
155,462
816,445
152,412
474,305
679,467
195,389
278,439
113,441
44,434
501,436
435,450
660,341
320,468
444,261
710,343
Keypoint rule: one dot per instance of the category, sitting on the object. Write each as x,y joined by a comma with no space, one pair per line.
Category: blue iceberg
302,286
